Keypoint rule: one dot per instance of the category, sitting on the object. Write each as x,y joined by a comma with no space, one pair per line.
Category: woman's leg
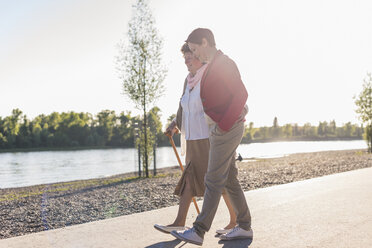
232,223
184,205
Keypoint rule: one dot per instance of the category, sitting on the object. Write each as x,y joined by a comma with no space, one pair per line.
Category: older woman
194,128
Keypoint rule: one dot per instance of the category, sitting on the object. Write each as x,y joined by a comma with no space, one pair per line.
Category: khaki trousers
222,173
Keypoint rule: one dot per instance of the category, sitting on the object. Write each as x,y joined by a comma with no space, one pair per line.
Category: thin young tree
364,104
140,66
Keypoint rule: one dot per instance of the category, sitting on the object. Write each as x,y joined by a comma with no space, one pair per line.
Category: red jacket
222,91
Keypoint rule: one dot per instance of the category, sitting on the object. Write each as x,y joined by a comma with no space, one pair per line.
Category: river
18,169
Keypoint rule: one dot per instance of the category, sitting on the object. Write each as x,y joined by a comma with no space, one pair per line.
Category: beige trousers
222,173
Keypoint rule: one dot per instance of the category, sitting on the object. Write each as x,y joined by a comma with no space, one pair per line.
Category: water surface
31,168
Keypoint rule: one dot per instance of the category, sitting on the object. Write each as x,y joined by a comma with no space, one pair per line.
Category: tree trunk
139,160
145,119
369,137
146,158
155,159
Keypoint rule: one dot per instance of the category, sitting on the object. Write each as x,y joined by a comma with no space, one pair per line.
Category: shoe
223,231
168,229
189,236
237,233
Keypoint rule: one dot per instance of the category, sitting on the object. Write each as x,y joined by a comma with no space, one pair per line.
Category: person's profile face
197,50
191,62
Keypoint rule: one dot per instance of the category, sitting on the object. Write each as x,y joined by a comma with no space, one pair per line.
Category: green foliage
149,149
275,131
288,130
248,133
324,131
139,64
105,124
3,141
123,131
63,130
155,135
364,104
155,125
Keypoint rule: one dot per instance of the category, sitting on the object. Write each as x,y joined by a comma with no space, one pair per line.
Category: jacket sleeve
239,96
179,111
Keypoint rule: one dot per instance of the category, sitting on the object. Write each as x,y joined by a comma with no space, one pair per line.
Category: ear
204,42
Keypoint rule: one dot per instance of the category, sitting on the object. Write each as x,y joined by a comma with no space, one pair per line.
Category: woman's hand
171,129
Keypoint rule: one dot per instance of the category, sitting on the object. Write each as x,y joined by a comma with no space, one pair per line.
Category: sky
301,61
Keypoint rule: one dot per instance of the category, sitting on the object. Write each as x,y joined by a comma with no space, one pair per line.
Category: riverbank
43,207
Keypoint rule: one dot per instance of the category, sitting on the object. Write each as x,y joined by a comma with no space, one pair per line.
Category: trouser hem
246,227
199,230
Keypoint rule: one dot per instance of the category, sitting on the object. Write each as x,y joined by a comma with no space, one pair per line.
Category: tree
364,104
275,130
309,131
23,139
155,124
3,140
332,128
248,133
263,133
106,123
296,130
321,128
348,129
11,127
139,63
275,122
288,130
123,131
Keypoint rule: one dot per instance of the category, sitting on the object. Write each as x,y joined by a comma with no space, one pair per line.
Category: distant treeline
71,129
108,129
324,131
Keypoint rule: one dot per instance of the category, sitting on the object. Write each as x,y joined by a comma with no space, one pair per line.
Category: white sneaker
223,231
168,229
237,233
189,236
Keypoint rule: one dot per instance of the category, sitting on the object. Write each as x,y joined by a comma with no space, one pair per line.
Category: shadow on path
240,243
166,244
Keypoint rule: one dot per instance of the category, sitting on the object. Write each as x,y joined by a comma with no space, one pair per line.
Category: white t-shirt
194,124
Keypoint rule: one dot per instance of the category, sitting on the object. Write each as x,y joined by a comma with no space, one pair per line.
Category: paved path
331,211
